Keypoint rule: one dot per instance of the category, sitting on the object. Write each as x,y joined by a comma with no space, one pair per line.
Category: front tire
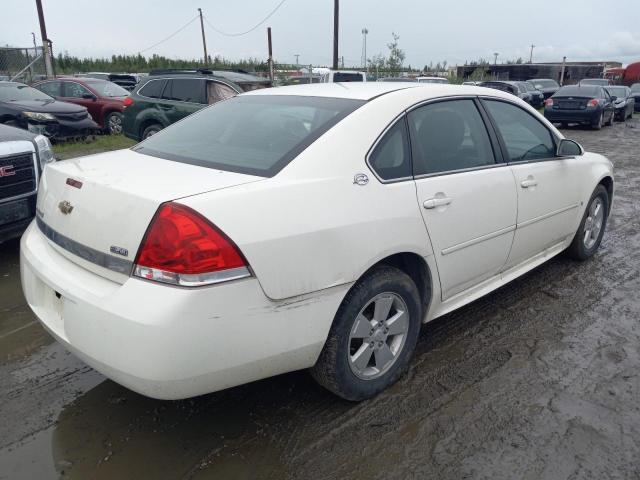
372,337
592,227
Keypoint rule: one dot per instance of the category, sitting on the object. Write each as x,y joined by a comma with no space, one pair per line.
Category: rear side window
253,134
390,158
153,88
185,90
74,90
217,91
525,137
347,77
448,136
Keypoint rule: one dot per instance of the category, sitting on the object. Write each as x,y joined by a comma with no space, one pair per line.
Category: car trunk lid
96,209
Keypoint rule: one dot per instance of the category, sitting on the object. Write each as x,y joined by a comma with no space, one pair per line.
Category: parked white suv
334,76
314,226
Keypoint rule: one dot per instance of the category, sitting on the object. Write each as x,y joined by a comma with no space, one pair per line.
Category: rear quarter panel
310,227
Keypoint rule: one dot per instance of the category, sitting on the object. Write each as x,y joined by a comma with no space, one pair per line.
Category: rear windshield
544,83
578,91
594,81
347,77
619,92
253,134
107,89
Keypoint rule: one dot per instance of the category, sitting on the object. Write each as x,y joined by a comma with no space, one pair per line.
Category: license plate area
15,211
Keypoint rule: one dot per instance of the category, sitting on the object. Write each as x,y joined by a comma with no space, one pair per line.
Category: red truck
103,99
624,76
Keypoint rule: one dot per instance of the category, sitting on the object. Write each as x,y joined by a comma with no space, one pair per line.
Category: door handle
436,202
529,182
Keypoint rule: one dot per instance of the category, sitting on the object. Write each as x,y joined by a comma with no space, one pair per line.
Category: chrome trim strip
476,240
119,265
547,215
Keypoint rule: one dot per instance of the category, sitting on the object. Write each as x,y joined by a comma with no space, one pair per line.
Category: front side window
390,158
448,136
152,89
184,90
50,88
74,90
524,136
253,134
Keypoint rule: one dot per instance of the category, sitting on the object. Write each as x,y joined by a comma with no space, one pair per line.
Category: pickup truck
23,156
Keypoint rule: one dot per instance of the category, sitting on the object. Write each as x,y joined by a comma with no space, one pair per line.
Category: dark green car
168,96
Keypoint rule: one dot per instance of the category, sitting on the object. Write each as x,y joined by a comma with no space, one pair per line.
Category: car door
73,92
609,107
547,186
466,194
182,97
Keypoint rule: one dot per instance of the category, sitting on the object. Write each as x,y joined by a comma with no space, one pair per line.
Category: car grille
23,180
71,117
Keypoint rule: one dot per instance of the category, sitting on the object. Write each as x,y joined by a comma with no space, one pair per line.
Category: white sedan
311,226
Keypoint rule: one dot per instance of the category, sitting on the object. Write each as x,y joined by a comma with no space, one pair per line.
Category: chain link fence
22,64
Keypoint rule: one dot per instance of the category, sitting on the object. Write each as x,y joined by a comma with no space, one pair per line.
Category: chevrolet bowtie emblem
65,207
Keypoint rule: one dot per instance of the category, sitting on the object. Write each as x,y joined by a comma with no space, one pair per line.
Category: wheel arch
418,270
607,183
147,122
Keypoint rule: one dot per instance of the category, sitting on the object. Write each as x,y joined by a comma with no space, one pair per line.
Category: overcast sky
454,31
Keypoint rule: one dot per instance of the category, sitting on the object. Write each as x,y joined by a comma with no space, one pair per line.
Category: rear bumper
167,342
572,116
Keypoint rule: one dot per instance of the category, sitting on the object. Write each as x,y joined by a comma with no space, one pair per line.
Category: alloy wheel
593,223
378,336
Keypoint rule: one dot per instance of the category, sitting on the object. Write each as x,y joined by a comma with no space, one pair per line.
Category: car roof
371,90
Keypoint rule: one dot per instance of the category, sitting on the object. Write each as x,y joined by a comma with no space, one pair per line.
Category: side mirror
569,148
89,96
613,98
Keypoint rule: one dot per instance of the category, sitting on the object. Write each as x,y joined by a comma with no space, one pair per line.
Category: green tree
396,55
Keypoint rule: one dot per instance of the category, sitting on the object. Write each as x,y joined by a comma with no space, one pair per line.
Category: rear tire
151,130
598,125
610,122
594,222
363,354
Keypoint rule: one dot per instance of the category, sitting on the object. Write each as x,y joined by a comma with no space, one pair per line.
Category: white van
334,76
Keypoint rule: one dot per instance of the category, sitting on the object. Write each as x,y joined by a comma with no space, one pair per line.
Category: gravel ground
538,380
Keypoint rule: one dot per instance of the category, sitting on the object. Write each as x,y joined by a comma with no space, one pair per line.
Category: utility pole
531,55
364,47
48,68
495,58
270,54
564,61
297,55
336,13
204,41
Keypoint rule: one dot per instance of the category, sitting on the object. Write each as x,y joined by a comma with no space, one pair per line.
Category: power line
172,35
227,34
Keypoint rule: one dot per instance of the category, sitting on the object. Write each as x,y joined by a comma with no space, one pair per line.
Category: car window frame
203,90
212,80
503,146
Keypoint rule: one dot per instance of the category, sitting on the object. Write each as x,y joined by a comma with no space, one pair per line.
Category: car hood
46,106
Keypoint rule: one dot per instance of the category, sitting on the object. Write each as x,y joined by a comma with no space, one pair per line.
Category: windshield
254,134
107,89
14,92
594,81
619,92
544,83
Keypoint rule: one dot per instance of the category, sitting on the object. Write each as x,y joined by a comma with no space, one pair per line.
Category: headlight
38,116
45,152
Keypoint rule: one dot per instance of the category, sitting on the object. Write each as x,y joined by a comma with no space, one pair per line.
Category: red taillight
594,102
183,248
128,101
548,102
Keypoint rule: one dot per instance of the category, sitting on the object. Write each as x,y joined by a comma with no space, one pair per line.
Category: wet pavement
539,380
